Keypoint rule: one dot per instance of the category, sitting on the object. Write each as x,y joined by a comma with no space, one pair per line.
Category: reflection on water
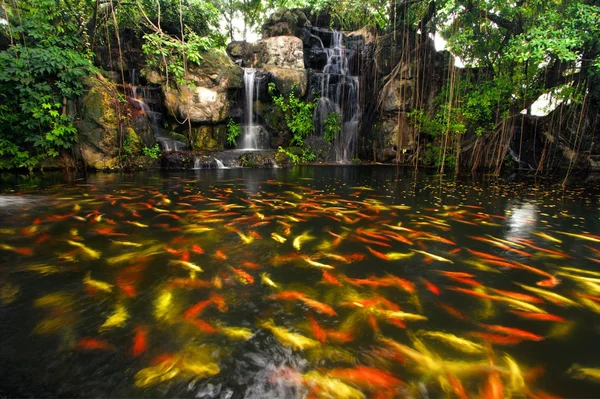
522,219
333,282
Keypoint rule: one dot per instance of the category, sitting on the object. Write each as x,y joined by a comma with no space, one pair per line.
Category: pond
315,281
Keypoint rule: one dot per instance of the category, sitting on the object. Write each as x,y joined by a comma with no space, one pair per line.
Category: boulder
209,138
209,98
274,121
286,78
99,131
398,95
281,51
285,22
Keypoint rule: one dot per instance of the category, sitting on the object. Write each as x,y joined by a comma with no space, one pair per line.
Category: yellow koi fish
285,337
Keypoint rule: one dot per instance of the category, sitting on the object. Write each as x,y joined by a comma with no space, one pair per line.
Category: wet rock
99,132
280,51
285,22
271,116
321,148
209,137
209,101
286,78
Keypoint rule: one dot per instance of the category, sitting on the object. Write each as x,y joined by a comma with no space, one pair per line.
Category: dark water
64,335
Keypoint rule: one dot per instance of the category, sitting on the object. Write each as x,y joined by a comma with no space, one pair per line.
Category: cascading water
139,98
339,94
254,137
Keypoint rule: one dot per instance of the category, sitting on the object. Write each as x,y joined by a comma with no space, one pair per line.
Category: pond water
323,282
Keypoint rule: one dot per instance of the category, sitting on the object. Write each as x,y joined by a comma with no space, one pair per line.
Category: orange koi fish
203,326
220,255
496,338
519,296
250,265
367,241
197,249
328,278
140,341
247,278
93,344
319,306
510,331
318,332
189,283
219,301
378,254
367,377
195,310
431,287
539,316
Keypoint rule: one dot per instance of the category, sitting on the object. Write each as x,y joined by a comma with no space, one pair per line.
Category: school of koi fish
360,293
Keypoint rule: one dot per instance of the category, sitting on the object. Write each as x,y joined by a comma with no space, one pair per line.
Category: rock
274,121
209,138
152,77
285,22
321,148
281,51
239,50
286,78
398,96
387,154
210,100
99,131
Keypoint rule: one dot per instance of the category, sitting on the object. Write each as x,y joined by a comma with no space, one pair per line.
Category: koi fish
317,264
266,279
188,265
539,316
318,332
278,238
140,341
433,256
246,278
367,377
288,338
510,331
96,284
117,319
550,296
584,373
302,238
236,333
330,279
461,344
93,344
92,254
431,287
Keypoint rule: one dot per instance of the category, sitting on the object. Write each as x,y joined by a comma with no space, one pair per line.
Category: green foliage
40,72
332,126
234,130
152,152
166,54
308,155
355,160
127,147
298,114
199,17
293,157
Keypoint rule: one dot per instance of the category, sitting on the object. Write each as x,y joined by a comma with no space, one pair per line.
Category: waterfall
339,94
197,163
140,101
220,164
253,137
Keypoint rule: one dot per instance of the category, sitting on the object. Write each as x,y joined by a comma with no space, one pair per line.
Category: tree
41,70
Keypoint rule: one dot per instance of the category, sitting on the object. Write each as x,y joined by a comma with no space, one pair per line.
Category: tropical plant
298,113
234,130
332,126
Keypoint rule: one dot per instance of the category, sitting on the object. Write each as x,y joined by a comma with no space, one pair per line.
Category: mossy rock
209,137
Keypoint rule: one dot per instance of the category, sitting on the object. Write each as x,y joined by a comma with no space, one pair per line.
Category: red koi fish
140,341
318,331
330,279
203,326
247,278
431,287
539,316
197,249
366,377
93,344
195,310
514,332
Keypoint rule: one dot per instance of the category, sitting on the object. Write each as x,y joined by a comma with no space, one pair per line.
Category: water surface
99,285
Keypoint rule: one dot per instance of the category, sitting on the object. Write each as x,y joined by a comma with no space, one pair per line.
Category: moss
208,138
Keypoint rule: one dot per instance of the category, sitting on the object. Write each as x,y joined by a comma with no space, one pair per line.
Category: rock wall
104,122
